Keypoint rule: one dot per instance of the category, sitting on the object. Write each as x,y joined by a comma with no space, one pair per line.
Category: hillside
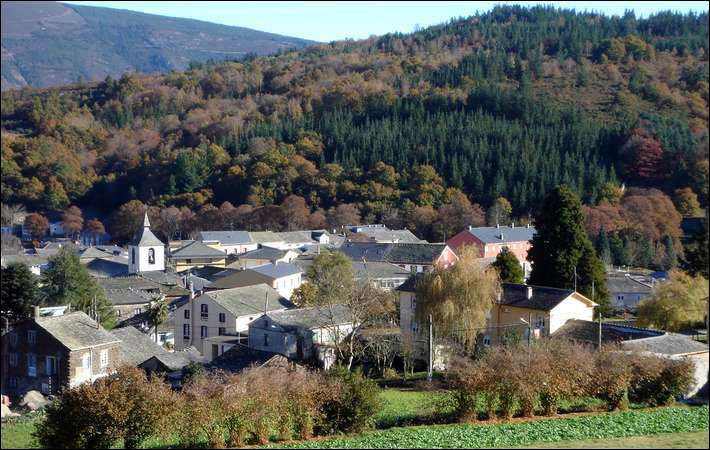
51,44
425,130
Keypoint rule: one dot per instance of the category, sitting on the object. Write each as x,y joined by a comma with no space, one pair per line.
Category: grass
697,439
603,426
406,407
17,432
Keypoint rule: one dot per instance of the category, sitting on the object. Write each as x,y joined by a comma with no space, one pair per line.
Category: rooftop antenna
266,301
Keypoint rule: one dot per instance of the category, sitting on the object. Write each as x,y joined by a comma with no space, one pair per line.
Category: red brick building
490,240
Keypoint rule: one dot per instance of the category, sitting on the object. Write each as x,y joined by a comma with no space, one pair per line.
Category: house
261,256
302,333
626,290
656,342
415,258
129,295
290,240
384,235
241,357
135,347
48,353
35,263
519,310
284,277
213,321
383,275
229,242
489,241
146,253
197,254
56,228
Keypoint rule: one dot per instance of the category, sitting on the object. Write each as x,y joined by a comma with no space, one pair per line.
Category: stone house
197,254
49,353
284,277
261,256
415,258
229,242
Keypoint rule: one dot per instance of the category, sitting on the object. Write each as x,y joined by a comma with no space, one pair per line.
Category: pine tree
592,279
604,247
508,267
670,261
19,292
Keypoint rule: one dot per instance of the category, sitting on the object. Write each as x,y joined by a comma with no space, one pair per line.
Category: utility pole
529,330
599,345
575,278
430,371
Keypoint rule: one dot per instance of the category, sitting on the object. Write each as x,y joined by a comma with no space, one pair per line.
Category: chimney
497,225
528,225
470,228
502,236
192,290
35,312
529,292
512,224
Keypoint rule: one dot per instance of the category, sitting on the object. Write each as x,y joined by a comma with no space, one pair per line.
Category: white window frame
86,361
103,358
204,311
222,318
540,322
204,332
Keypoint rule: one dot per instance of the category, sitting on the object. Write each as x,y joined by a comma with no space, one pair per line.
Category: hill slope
50,44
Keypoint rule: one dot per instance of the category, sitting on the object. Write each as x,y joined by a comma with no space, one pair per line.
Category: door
215,351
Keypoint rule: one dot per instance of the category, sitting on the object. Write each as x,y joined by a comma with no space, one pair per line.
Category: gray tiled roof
146,238
631,338
177,360
304,236
543,298
108,266
492,235
378,270
626,284
386,235
247,300
277,270
196,249
399,253
226,237
136,347
76,330
259,237
240,357
263,253
127,282
309,318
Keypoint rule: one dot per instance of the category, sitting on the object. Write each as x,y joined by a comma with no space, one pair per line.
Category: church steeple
146,251
146,222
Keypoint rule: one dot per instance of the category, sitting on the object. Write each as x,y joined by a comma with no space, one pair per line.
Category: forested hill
504,104
50,44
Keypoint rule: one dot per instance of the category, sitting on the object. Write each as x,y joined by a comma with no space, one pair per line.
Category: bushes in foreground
218,409
507,381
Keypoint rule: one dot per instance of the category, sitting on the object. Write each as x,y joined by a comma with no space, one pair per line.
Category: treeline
508,103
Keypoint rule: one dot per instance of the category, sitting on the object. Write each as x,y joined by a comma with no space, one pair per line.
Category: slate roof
411,284
239,358
248,300
231,278
146,238
197,249
277,270
631,338
76,330
543,298
259,237
399,253
263,253
492,235
135,347
378,270
29,260
303,236
226,237
387,235
173,361
309,318
626,284
108,266
128,282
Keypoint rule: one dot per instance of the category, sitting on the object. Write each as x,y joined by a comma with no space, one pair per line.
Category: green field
698,439
405,407
602,426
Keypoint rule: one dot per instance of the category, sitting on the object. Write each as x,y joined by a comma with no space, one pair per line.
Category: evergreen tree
592,279
670,261
697,252
19,292
67,282
508,267
560,241
604,247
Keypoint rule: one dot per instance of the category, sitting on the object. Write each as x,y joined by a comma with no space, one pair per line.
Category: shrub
354,403
659,381
612,379
124,405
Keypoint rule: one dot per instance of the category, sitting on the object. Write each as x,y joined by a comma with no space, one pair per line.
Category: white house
210,321
302,333
284,277
230,242
146,253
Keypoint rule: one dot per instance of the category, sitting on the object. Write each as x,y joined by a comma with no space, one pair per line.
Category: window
104,358
414,328
486,340
540,322
13,338
188,261
133,256
13,382
187,314
151,256
222,317
266,340
32,337
413,302
136,311
204,312
203,331
186,331
118,313
86,361
31,365
222,331
12,359
50,365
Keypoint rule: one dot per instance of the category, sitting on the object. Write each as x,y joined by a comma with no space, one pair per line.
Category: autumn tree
95,229
642,157
127,220
499,212
37,225
343,214
295,212
458,298
686,202
72,222
508,266
676,305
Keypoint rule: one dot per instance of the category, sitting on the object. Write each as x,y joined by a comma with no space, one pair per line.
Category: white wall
286,285
142,264
569,308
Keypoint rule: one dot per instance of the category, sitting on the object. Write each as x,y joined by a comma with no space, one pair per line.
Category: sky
326,21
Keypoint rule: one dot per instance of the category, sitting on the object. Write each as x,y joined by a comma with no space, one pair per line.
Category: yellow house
197,254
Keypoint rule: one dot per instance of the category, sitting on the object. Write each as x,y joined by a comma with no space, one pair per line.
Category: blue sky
329,20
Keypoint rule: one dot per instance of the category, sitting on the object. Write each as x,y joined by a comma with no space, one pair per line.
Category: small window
540,323
133,256
203,331
222,317
31,365
486,340
222,331
104,358
186,331
266,340
12,359
413,302
31,337
50,365
187,314
151,256
188,261
204,311
86,361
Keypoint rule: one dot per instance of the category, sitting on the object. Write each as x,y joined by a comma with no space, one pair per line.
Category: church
146,253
